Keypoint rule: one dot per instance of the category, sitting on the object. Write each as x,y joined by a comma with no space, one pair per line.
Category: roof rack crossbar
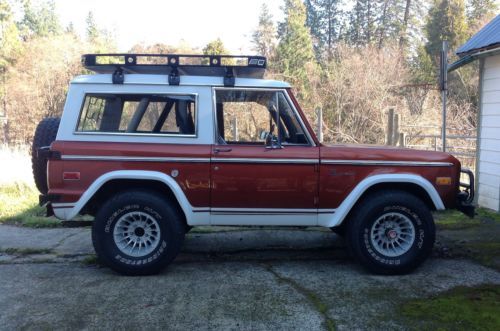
228,67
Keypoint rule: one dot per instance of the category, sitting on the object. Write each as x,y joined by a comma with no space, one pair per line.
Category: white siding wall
489,139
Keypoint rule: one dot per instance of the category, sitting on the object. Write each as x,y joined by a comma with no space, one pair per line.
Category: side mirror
263,135
272,142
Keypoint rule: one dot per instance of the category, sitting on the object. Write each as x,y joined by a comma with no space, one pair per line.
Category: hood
382,153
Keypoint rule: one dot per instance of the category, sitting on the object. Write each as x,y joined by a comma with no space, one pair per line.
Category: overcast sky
169,21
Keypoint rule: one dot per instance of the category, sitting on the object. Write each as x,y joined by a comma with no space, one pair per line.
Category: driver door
254,183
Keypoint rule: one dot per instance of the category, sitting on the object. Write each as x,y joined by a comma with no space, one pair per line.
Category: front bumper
465,197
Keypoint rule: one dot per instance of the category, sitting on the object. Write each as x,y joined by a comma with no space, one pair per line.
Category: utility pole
443,80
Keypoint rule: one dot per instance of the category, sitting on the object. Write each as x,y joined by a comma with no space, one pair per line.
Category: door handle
219,150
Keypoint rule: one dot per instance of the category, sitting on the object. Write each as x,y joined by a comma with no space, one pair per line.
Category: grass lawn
19,206
476,238
455,220
461,308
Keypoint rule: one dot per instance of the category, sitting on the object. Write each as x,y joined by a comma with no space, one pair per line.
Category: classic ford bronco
153,145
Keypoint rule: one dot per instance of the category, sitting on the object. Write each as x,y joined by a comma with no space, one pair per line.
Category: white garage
484,46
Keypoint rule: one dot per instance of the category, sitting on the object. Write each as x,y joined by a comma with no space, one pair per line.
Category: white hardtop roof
143,79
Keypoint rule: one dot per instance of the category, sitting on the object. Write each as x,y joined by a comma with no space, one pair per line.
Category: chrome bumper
465,196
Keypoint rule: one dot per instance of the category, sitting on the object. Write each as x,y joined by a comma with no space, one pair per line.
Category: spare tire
45,134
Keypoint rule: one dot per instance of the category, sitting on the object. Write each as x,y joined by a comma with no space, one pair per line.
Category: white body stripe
310,219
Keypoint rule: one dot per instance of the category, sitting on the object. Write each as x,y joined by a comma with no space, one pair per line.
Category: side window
136,113
249,116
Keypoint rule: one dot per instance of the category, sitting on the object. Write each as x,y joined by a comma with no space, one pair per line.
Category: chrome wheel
136,234
392,234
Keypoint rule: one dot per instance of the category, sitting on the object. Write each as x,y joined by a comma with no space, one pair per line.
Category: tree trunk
406,18
382,27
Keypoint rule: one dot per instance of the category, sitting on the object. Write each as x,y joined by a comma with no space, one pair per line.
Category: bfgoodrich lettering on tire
391,232
137,233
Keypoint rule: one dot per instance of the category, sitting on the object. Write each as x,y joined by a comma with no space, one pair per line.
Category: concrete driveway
243,279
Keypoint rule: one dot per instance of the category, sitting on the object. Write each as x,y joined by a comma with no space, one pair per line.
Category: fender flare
336,219
68,211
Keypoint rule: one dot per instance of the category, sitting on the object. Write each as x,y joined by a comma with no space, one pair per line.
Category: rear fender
67,211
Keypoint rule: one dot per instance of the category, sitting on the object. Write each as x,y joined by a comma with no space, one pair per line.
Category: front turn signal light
443,180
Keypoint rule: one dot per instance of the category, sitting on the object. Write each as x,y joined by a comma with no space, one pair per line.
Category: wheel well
114,186
411,188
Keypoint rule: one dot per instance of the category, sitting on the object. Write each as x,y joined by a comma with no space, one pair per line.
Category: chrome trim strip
134,158
63,205
388,163
262,160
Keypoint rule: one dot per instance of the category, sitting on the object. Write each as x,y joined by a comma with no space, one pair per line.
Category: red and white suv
153,145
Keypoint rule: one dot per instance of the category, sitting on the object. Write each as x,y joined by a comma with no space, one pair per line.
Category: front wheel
137,233
391,232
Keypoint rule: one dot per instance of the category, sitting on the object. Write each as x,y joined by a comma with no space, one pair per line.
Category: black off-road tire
171,230
45,134
368,216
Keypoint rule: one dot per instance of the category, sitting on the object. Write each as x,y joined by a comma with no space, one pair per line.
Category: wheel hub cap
392,234
136,234
139,232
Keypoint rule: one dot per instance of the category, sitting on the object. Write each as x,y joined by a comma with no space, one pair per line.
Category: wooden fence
462,146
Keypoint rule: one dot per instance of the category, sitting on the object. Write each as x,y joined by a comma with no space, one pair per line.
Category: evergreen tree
264,37
480,10
362,22
41,21
295,47
93,33
101,40
412,15
10,45
215,47
422,68
446,21
390,21
325,19
71,29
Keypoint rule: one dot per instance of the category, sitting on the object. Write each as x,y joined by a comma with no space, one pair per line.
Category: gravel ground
248,279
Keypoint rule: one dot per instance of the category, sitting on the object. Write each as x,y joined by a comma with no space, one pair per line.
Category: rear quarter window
138,114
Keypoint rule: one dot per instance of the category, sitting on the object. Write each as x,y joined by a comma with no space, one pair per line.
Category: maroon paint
264,185
193,178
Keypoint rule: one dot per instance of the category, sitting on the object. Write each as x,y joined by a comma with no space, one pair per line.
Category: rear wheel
137,233
45,134
391,232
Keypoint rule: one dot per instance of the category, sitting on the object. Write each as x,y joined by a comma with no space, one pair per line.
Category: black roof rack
174,65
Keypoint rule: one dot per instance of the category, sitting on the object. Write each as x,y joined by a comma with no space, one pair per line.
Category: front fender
336,219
